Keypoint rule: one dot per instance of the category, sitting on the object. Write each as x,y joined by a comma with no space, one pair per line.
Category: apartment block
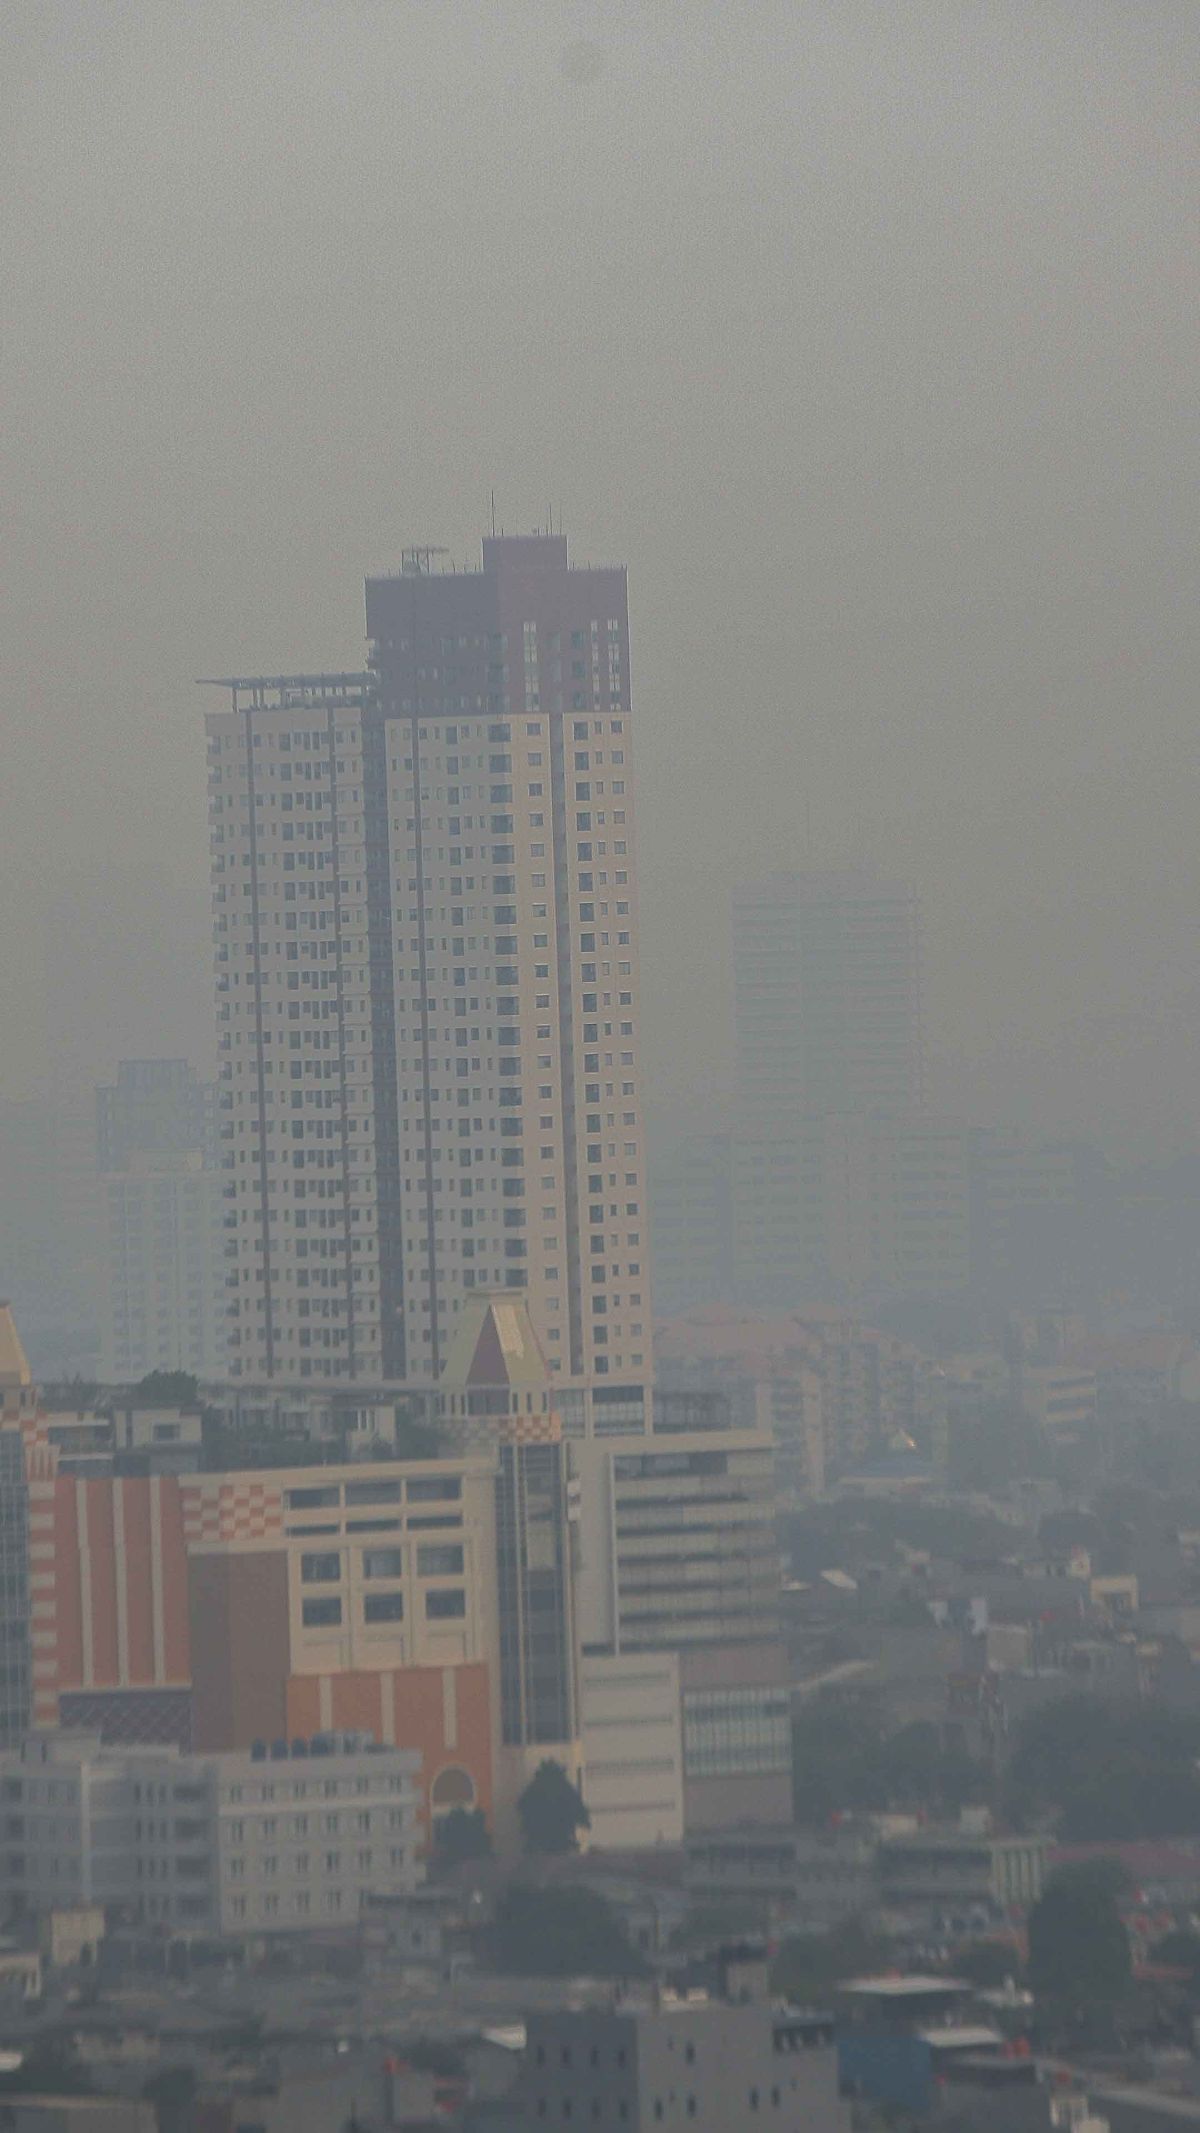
163,1301
425,900
220,1844
155,1107
163,1282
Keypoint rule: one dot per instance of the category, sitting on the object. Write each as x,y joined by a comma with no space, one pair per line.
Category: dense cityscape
600,1419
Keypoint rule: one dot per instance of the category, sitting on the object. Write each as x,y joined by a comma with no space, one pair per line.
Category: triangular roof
14,1363
494,1344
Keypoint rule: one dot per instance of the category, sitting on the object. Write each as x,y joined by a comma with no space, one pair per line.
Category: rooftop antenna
493,514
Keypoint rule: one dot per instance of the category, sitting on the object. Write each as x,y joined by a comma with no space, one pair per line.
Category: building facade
691,1222
827,1010
632,1749
160,1215
221,1844
155,1107
677,1542
426,915
163,1284
695,2063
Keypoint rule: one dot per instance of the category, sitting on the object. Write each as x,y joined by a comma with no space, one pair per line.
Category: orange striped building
217,1610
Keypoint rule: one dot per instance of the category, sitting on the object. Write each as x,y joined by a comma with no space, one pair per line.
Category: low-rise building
693,2063
953,1869
784,1877
240,1843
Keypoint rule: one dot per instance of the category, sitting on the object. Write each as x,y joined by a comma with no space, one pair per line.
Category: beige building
737,1735
425,900
632,1749
677,1542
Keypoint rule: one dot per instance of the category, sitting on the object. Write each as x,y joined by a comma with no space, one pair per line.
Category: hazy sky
865,333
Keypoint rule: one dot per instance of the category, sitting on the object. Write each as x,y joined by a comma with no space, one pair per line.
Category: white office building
232,1844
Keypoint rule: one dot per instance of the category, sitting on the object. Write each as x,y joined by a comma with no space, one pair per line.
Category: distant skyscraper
692,1222
827,997
827,1004
155,1107
426,916
161,1215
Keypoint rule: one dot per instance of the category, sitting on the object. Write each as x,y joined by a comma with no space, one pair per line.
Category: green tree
1079,1962
461,1835
551,1810
807,1968
1109,1770
165,1388
560,1932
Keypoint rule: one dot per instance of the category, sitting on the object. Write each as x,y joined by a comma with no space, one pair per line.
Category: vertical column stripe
120,1581
85,1584
157,1617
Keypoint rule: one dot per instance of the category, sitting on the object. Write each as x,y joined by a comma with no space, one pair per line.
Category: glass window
383,1562
323,1568
383,1607
440,1559
446,1605
321,1614
444,1488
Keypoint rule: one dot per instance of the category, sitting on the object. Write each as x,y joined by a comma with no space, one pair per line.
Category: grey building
785,1877
234,1843
691,1222
694,2063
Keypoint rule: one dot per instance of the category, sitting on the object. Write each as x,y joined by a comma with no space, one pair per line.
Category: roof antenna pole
493,514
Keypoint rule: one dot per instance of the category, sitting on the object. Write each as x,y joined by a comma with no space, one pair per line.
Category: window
446,1606
446,1489
324,1568
321,1614
383,1607
440,1559
383,1562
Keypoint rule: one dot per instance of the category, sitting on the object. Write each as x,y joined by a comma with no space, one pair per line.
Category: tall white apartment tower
426,927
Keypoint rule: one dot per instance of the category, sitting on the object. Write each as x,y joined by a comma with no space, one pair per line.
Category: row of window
448,1605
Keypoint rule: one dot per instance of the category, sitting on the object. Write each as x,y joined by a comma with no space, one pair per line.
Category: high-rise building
691,1222
426,918
155,1107
827,1007
163,1295
827,997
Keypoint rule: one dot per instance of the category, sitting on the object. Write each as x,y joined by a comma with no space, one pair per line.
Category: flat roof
901,1988
964,2039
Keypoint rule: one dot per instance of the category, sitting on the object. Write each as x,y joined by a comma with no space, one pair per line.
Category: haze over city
865,336
599,1153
